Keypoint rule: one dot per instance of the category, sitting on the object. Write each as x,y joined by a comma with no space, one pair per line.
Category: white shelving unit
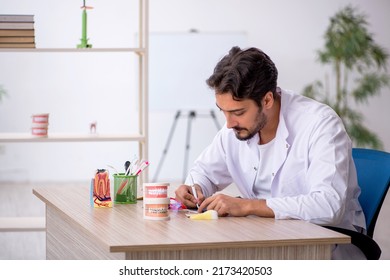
56,137
141,137
139,51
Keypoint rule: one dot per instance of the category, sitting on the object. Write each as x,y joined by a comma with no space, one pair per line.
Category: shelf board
14,224
75,50
62,137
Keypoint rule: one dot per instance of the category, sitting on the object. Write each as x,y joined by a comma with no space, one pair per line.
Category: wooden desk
74,230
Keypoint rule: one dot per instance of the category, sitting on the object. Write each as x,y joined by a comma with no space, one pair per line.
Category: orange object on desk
101,193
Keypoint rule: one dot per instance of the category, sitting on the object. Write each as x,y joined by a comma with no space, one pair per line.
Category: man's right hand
184,195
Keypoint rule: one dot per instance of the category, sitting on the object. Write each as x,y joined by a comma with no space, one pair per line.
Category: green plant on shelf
351,52
84,39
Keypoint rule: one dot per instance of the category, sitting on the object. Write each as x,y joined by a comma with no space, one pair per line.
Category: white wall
289,31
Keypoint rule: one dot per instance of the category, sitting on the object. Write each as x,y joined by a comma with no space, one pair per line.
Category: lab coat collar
282,145
282,132
281,142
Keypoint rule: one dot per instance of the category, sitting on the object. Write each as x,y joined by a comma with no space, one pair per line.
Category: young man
289,156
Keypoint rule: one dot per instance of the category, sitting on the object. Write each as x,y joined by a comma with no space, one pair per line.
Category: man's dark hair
246,74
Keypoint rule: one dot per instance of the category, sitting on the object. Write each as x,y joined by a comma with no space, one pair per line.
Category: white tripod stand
191,115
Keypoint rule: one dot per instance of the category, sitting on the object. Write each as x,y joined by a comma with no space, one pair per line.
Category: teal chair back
373,172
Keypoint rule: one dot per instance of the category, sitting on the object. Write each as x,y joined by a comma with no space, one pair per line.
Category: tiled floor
17,200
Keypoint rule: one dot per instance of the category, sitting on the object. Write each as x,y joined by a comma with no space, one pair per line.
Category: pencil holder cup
125,189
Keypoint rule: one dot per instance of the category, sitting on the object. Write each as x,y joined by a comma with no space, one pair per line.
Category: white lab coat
313,177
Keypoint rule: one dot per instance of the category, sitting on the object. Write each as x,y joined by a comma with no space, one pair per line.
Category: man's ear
268,100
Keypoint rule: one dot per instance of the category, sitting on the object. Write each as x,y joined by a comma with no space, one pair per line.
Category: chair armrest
366,244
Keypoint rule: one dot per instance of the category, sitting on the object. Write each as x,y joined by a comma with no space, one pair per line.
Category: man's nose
230,121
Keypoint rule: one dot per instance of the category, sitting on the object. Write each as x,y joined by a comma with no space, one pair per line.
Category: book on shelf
16,45
17,31
16,39
16,25
16,18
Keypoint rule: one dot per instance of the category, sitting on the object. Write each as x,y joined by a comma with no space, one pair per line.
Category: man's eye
240,113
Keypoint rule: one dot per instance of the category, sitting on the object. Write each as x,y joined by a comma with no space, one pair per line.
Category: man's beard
260,122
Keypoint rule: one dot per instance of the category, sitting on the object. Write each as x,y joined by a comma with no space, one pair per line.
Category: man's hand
226,205
184,195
